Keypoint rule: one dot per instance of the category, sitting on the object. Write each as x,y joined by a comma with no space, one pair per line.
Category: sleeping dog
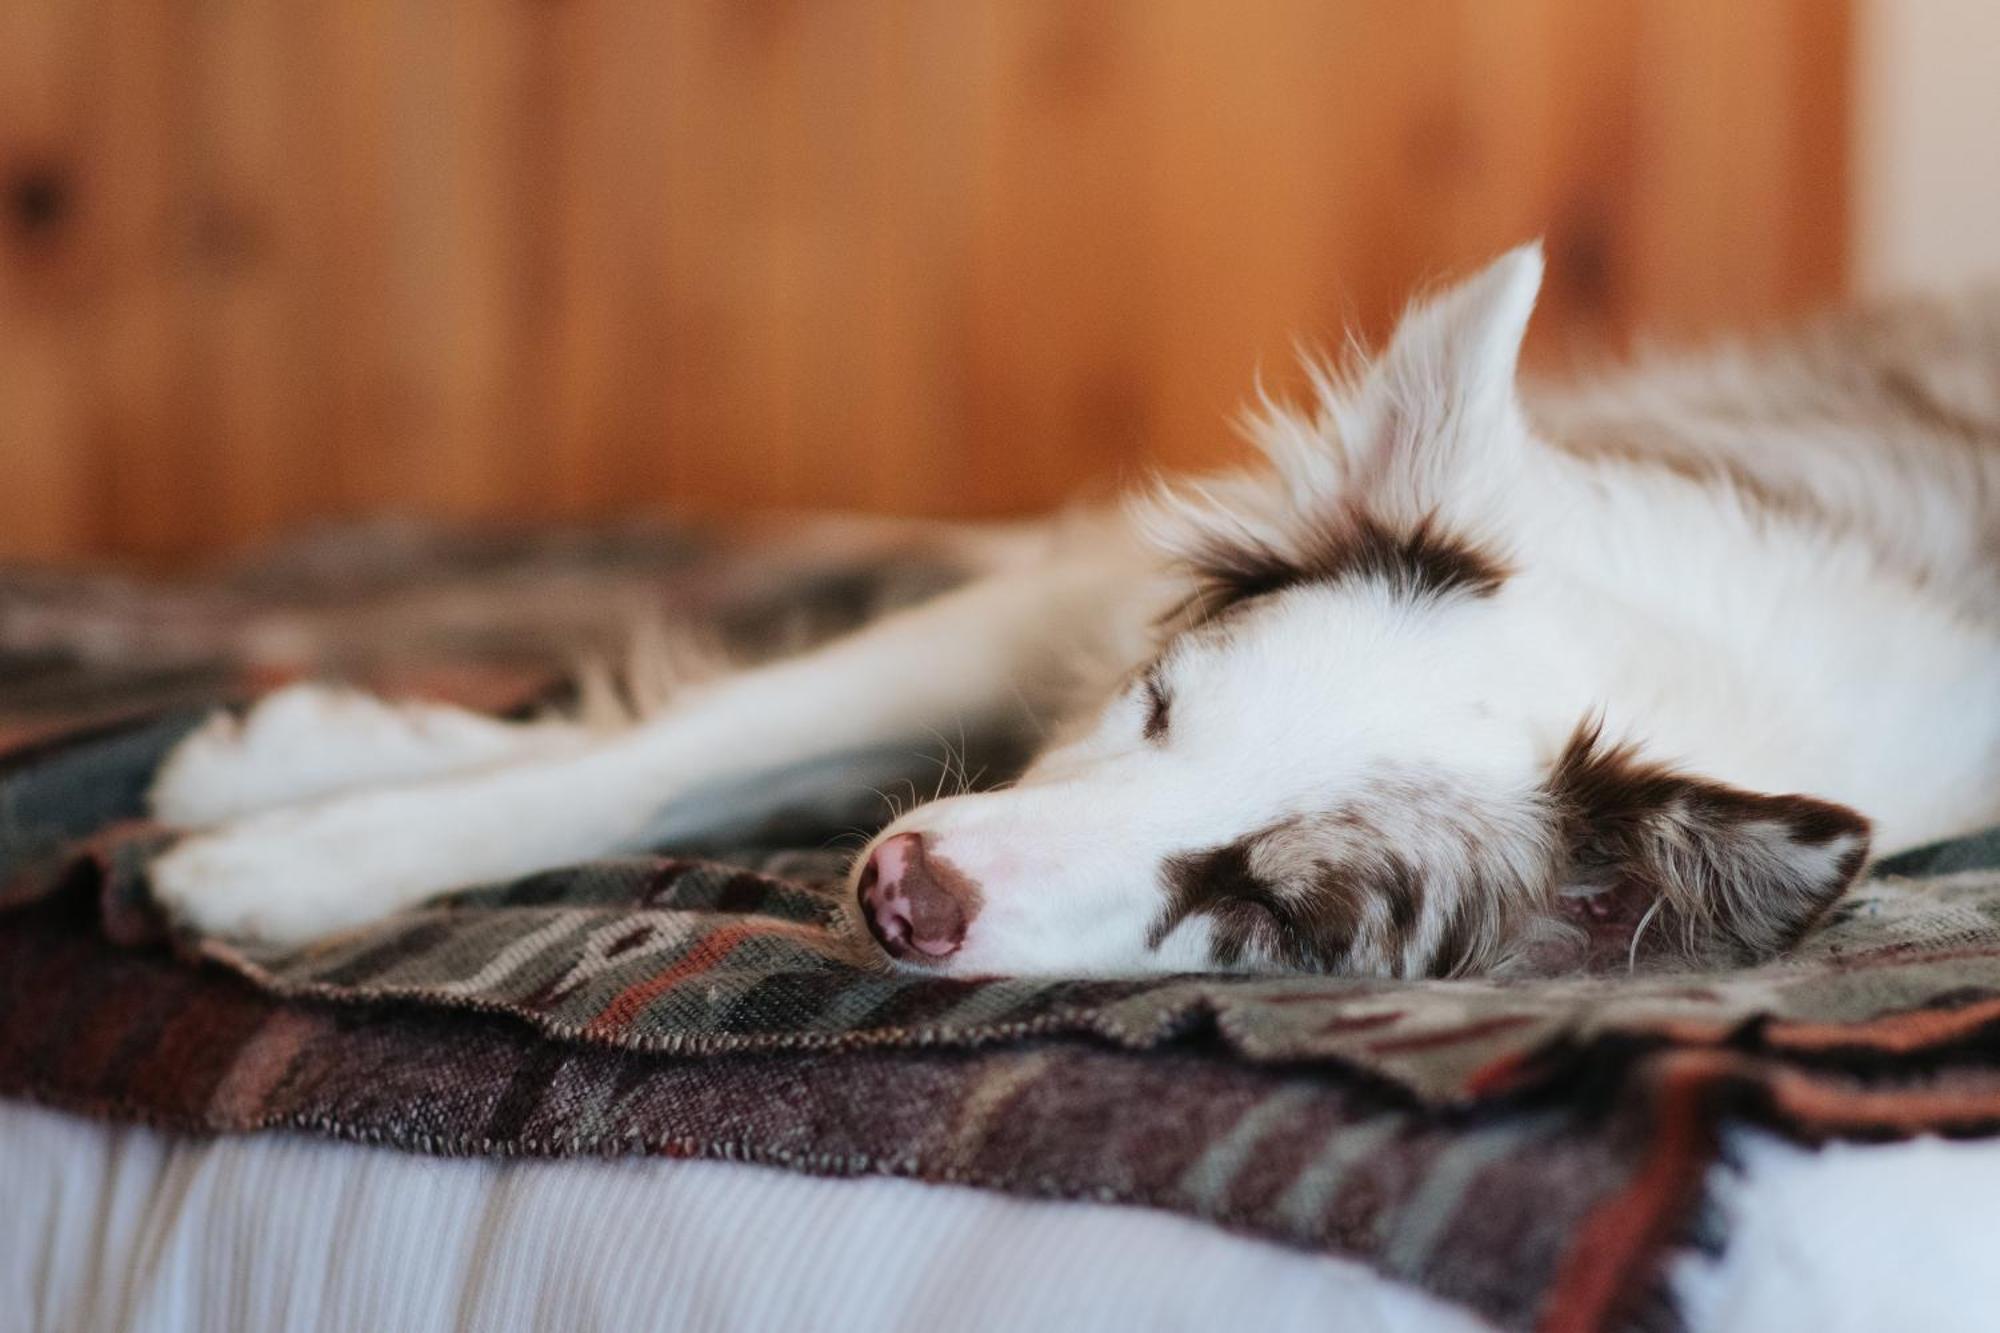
1464,678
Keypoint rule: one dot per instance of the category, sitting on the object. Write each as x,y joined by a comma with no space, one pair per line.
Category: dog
1464,678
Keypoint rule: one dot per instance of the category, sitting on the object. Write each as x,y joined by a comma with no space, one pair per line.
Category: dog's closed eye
1159,708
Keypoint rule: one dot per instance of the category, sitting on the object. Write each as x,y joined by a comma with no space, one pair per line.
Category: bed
516,1109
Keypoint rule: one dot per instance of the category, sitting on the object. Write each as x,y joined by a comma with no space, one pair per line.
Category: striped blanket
1530,1149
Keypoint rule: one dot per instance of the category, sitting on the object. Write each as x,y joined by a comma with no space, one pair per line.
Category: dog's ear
1459,349
1663,866
1436,422
1427,436
1401,427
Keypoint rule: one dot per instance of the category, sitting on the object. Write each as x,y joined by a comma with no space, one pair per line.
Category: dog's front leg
292,874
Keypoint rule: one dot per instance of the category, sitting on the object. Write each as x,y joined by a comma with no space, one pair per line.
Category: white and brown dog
1465,678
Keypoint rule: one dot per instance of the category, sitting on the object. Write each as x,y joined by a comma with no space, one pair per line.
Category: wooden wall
263,262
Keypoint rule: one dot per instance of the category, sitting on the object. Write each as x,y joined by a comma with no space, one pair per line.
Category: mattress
119,1227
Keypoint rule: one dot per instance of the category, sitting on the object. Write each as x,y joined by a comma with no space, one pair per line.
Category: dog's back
1882,426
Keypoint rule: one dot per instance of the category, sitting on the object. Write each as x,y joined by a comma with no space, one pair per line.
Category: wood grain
504,260
47,494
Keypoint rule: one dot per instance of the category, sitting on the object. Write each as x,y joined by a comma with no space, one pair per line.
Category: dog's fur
1466,678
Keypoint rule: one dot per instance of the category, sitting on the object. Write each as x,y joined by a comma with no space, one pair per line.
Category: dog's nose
909,901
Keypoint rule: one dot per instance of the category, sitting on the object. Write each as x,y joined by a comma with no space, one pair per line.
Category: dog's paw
292,876
306,742
290,746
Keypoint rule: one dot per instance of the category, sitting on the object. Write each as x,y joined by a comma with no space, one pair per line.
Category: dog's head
1359,747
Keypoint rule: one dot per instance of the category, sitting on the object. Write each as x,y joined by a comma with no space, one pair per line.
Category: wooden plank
363,403
155,472
1589,159
1818,157
618,363
1062,297
914,260
47,275
467,242
1713,212
1230,154
249,313
826,191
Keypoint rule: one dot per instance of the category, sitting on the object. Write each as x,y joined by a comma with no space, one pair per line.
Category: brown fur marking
1678,838
1420,562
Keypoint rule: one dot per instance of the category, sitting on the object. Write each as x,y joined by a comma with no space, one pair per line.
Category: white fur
305,742
1765,601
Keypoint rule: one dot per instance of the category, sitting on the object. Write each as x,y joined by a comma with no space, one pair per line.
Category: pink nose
915,905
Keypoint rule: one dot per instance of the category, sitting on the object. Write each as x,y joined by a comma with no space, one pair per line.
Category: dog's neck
1758,644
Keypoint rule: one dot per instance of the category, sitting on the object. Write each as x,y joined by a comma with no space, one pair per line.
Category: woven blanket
1531,1149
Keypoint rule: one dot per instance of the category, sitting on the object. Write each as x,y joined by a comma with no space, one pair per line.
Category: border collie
1466,678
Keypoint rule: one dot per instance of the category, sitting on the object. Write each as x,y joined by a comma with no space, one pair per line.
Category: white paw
292,876
306,742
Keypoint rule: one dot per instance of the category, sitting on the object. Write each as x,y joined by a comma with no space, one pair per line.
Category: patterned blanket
1531,1149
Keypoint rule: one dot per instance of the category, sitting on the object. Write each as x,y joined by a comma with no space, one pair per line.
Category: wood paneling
514,259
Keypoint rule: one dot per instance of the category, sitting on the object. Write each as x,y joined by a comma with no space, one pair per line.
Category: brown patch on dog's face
1332,893
1423,561
1309,926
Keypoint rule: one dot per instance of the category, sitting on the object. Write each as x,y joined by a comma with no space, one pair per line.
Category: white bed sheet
106,1227
1853,1238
